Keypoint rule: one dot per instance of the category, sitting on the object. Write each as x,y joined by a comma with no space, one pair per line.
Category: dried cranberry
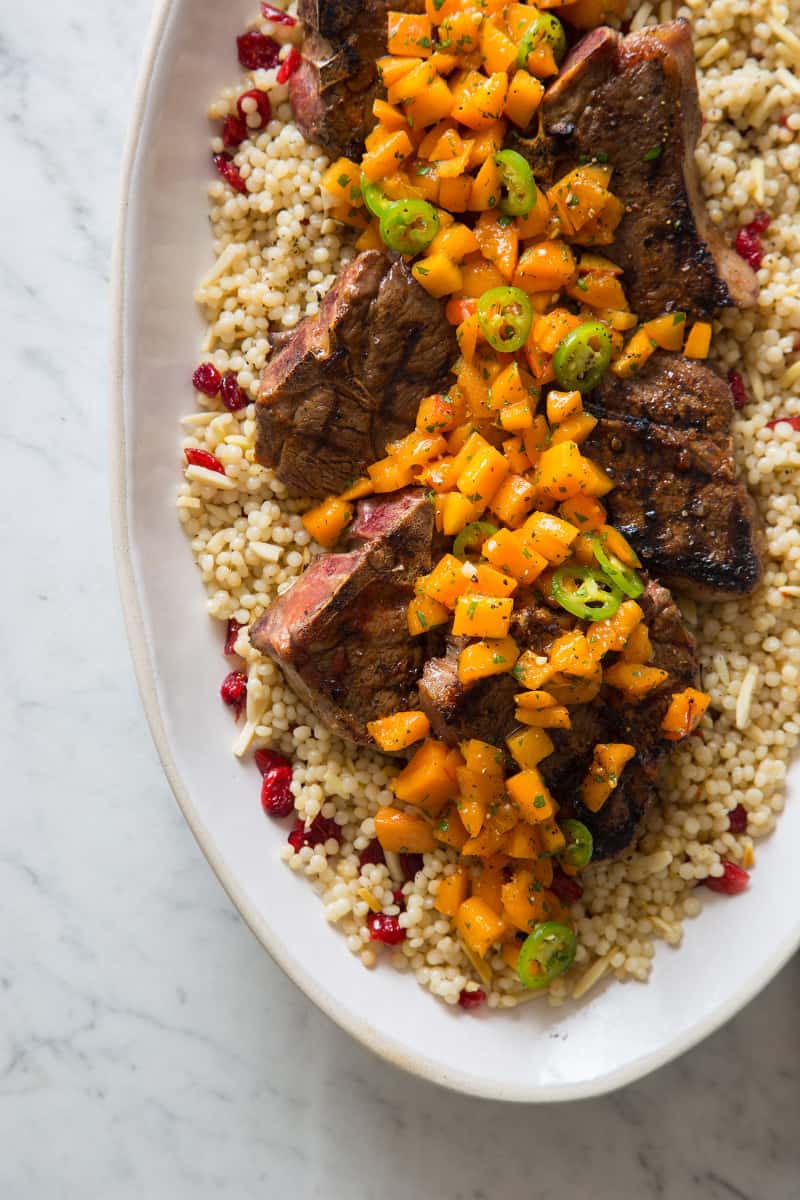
737,819
748,240
320,830
297,836
207,379
274,14
732,881
270,760
383,928
373,853
566,887
234,131
736,384
276,792
232,395
471,999
289,65
793,421
230,638
234,691
230,172
203,458
256,50
263,106
748,246
410,864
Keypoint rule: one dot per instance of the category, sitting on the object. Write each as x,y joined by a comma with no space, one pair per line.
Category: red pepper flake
203,458
257,51
263,108
234,691
230,172
736,384
289,65
748,240
234,131
793,421
737,819
471,999
231,635
276,15
732,881
386,929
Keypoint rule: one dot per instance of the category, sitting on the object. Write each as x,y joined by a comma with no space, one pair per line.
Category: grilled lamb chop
664,437
633,102
340,634
350,379
486,710
333,90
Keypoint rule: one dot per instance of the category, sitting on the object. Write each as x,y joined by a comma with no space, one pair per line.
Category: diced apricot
400,730
453,891
429,779
479,926
481,659
403,832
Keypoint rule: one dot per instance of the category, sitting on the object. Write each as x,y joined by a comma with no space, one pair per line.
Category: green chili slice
580,844
545,954
623,576
546,28
472,537
582,357
518,181
374,198
586,592
408,226
505,317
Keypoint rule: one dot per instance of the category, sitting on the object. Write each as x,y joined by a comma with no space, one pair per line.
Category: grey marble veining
148,1047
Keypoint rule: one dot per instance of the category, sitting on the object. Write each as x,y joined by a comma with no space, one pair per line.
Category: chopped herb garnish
653,153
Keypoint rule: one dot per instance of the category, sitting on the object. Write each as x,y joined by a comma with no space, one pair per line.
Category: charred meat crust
333,91
350,380
633,102
664,437
340,634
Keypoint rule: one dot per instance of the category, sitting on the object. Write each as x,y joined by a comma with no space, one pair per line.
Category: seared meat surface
340,634
632,102
664,437
333,90
486,710
350,379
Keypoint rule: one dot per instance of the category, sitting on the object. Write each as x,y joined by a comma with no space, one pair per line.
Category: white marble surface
148,1047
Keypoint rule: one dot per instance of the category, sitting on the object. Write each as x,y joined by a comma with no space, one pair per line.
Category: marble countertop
148,1047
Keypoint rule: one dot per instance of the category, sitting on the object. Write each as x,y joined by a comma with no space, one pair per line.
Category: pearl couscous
276,254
